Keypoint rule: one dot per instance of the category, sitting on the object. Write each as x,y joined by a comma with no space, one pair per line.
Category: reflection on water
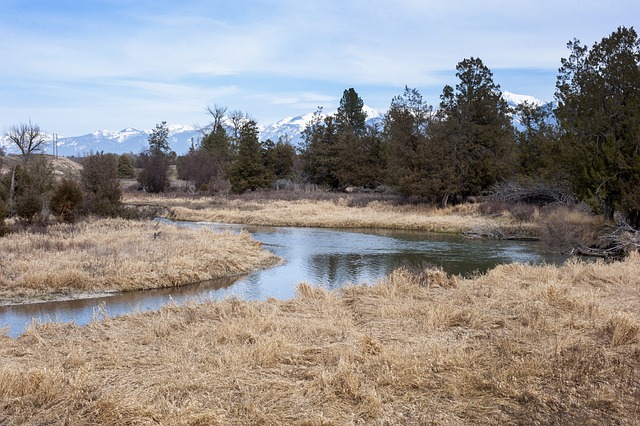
330,258
82,311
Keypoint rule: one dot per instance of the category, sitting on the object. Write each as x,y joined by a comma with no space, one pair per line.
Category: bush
29,205
103,195
563,228
66,200
154,176
125,167
200,168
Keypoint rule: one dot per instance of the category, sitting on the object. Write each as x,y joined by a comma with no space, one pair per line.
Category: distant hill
62,166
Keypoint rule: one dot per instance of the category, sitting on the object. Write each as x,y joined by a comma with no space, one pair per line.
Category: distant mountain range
181,137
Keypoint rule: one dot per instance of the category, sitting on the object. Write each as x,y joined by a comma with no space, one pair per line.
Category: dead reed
119,255
342,212
519,345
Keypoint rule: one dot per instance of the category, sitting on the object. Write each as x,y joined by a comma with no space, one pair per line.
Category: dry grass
519,345
119,255
338,213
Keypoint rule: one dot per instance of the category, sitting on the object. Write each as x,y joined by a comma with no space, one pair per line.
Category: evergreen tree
248,171
125,167
32,185
360,159
99,178
598,90
405,134
279,157
350,116
473,122
66,200
322,154
159,138
155,162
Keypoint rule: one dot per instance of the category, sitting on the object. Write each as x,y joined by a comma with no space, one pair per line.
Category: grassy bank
340,212
519,345
64,261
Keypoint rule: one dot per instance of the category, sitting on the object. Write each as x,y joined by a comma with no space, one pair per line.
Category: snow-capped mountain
126,140
181,138
513,100
116,141
291,128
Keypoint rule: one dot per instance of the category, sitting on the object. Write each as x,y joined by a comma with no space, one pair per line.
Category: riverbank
561,228
100,256
340,212
521,344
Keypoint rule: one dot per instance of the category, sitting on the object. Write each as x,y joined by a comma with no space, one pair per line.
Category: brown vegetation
519,345
117,255
561,227
340,212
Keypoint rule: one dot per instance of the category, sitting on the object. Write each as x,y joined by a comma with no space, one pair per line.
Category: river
325,257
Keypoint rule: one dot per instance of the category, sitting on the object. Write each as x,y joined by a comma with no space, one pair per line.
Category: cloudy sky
74,66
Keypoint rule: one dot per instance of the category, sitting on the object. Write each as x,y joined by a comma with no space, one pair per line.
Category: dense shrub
563,228
29,205
154,176
200,168
66,200
125,167
99,177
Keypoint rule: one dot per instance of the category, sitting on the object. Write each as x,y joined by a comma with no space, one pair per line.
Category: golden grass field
518,345
68,261
338,213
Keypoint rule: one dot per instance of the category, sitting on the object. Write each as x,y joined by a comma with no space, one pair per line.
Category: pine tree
350,115
99,177
125,167
155,162
159,138
405,133
598,90
248,171
473,122
321,151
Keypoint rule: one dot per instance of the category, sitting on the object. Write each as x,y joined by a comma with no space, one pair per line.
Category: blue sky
77,66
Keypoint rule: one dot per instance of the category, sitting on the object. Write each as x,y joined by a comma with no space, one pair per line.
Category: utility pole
55,145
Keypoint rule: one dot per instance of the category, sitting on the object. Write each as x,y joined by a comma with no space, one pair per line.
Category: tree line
587,144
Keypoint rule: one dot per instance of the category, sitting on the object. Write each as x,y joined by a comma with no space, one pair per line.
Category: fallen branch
622,239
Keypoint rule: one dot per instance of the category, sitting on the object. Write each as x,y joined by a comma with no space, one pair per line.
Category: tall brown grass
115,255
561,228
340,212
519,345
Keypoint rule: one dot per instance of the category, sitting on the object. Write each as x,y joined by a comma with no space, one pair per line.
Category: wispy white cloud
155,59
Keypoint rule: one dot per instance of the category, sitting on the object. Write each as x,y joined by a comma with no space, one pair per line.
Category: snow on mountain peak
514,99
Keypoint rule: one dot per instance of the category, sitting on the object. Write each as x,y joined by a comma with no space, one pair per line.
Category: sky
75,66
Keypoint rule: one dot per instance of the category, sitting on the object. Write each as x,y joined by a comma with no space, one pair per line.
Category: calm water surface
324,257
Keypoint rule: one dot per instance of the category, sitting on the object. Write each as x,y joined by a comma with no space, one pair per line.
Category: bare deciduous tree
28,138
217,113
238,120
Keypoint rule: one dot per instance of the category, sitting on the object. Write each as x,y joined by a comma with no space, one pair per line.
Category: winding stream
326,257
